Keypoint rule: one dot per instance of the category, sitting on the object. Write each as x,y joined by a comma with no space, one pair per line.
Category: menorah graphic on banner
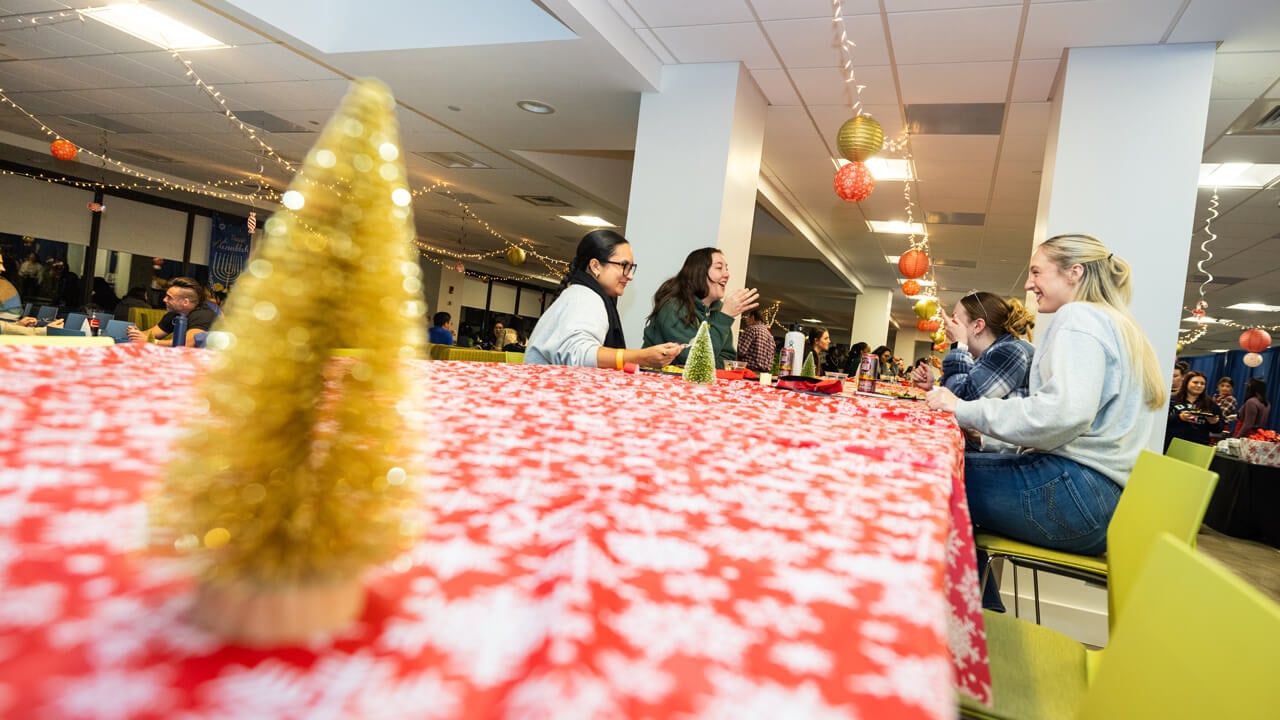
226,267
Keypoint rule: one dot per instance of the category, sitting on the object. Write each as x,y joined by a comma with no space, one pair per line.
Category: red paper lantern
63,149
911,288
940,346
913,263
1255,340
854,182
922,325
933,325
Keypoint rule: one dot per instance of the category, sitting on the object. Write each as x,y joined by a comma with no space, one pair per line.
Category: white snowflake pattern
700,588
456,556
788,620
119,629
757,544
486,636
32,606
922,681
802,658
661,630
112,694
120,527
808,586
657,553
740,698
562,695
635,678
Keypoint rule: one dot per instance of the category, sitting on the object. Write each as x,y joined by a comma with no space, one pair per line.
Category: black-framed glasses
974,293
628,268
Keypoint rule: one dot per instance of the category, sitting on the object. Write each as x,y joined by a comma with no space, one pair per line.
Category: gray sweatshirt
571,331
1086,401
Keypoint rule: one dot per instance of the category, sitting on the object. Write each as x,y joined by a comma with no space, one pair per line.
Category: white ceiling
908,51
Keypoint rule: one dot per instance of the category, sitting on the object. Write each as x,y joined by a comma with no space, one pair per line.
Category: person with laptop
185,297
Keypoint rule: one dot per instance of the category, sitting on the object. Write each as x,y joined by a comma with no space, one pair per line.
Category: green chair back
1196,642
1191,453
1163,495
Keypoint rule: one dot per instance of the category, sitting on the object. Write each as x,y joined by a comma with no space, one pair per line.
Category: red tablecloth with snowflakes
600,545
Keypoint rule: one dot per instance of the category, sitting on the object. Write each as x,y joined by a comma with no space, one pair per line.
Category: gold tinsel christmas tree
279,484
700,366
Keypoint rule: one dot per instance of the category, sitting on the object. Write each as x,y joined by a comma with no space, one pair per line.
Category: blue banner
228,250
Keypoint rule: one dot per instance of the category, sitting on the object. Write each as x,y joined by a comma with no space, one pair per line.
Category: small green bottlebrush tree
810,369
700,367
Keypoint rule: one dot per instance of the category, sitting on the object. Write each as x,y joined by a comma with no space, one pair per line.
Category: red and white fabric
600,545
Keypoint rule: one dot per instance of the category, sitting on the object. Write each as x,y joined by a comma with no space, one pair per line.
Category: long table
600,545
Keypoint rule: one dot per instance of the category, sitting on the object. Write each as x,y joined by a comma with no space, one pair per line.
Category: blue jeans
1041,499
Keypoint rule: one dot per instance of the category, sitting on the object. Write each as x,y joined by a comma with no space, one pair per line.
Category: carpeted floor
1255,562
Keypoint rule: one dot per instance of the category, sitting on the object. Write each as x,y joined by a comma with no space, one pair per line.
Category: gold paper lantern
925,308
860,138
515,255
939,336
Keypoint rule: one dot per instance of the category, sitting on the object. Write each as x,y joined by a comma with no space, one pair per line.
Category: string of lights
28,21
853,90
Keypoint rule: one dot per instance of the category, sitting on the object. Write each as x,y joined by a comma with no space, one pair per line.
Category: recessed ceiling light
810,320
896,227
1257,307
588,221
921,283
154,27
1241,175
886,169
892,259
535,107
1219,350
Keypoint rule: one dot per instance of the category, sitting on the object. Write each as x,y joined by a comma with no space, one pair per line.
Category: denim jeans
1042,499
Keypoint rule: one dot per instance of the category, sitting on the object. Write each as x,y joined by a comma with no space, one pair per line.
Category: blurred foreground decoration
284,491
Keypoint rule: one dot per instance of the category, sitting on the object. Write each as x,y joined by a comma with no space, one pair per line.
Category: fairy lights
853,91
35,20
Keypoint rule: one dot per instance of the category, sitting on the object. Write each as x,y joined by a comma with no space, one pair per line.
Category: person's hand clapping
740,301
941,398
956,331
922,377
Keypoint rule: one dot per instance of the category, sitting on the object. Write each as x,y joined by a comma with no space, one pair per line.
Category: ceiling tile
947,36
812,42
1247,25
678,13
1027,118
1053,27
719,43
1033,80
1244,76
776,85
907,6
792,9
1240,148
1222,113
955,82
826,86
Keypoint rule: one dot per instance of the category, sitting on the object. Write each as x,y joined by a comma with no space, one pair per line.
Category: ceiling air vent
102,122
543,200
271,123
462,197
1261,118
456,160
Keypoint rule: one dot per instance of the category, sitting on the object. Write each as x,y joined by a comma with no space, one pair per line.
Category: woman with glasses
1095,393
696,294
991,358
582,326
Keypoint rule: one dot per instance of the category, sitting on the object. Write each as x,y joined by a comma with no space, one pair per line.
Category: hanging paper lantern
913,263
63,149
934,325
860,138
460,267
911,288
925,308
939,336
1255,340
515,255
1253,359
939,347
854,182
922,325
157,262
1179,348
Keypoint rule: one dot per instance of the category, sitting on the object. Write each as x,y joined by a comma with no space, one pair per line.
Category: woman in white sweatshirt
1094,391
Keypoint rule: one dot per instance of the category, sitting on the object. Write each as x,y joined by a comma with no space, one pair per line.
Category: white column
871,318
1122,163
694,180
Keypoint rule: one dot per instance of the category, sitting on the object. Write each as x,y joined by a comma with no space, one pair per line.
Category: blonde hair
1105,283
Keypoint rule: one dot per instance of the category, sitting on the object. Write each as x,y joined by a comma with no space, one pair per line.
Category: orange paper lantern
922,325
911,287
913,263
933,325
1255,340
854,183
63,149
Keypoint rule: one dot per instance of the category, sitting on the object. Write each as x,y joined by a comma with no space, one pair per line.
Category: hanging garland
860,137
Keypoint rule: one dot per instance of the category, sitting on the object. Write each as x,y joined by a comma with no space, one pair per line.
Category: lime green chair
1191,453
1195,642
1163,495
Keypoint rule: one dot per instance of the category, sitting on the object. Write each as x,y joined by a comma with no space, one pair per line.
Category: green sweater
669,326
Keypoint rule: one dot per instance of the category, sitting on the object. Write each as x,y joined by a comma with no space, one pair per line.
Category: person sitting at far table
697,294
185,297
440,333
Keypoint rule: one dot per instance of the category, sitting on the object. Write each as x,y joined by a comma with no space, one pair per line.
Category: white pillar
1122,162
693,183
871,318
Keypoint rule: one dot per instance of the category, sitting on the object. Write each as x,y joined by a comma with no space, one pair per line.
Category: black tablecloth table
1246,503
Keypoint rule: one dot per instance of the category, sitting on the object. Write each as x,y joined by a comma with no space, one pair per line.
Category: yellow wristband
617,360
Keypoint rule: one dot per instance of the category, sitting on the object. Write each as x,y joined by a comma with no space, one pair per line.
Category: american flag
253,222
